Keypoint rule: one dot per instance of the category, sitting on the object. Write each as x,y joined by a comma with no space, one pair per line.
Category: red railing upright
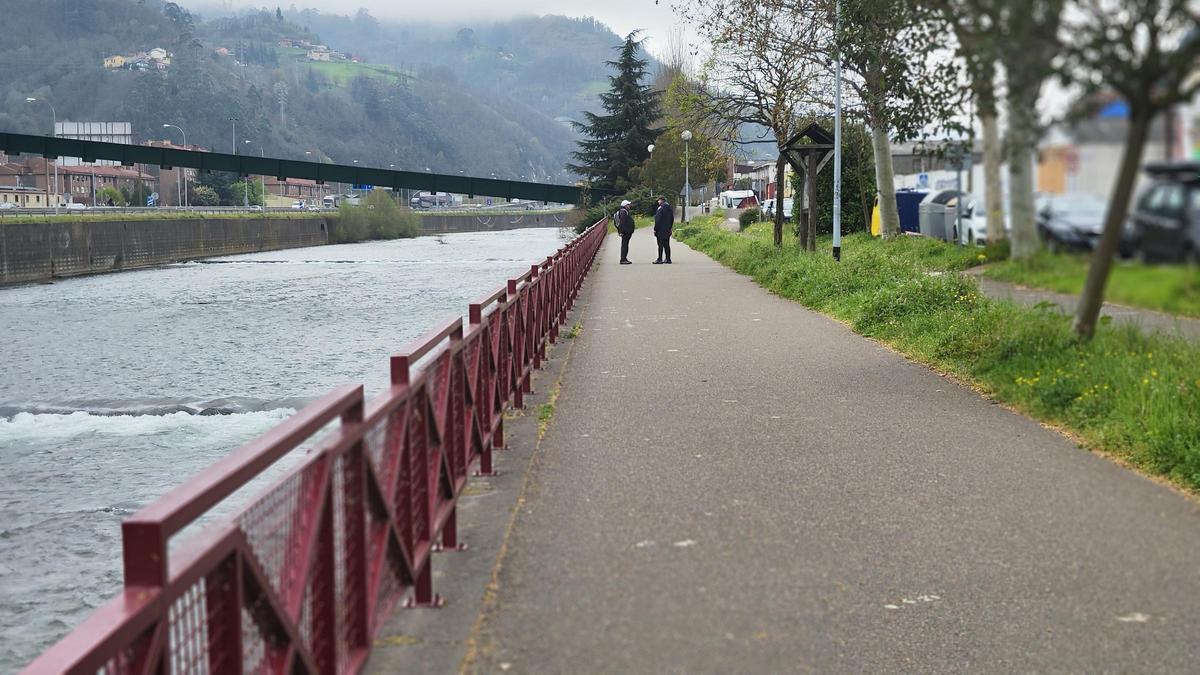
303,576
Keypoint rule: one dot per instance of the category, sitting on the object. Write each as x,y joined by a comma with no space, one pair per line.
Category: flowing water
115,388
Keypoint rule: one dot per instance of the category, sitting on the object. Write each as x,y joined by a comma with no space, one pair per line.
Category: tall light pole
650,151
183,201
837,144
262,181
53,132
687,172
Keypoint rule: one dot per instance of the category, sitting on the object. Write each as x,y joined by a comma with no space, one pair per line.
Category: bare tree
890,49
1148,51
762,71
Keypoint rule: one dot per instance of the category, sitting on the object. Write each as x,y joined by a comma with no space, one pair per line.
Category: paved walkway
732,483
1146,319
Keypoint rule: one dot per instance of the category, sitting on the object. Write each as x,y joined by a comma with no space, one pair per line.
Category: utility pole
53,132
182,172
687,175
837,145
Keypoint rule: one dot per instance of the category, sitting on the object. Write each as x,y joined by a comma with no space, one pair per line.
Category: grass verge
1166,288
1131,394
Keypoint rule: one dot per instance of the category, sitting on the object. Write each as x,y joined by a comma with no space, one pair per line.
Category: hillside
477,99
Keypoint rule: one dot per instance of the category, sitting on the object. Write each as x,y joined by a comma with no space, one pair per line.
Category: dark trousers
625,245
664,247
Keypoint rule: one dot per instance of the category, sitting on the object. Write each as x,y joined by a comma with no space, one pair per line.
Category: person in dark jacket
664,221
625,228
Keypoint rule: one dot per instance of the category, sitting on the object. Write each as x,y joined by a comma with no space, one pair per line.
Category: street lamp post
262,181
687,177
837,147
650,151
183,201
53,132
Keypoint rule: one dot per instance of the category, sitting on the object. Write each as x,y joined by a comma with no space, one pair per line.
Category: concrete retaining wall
32,251
40,251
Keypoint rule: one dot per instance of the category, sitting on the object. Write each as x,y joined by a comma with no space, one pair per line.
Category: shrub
377,216
749,217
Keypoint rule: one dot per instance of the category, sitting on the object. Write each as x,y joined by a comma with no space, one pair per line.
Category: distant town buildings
154,59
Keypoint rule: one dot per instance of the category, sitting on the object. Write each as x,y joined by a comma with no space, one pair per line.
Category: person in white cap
625,228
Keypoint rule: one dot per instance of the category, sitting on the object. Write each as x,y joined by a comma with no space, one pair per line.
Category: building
174,181
1085,156
286,192
114,62
105,132
26,198
80,182
319,53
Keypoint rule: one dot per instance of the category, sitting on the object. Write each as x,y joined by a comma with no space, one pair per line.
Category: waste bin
925,218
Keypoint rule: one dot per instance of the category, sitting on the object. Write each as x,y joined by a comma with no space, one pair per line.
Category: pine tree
616,142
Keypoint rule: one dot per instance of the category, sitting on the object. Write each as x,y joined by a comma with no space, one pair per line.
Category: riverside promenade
732,483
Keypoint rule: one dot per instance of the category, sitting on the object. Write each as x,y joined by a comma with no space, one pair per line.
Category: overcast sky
656,18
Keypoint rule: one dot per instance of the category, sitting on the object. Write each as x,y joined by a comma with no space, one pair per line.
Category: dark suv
1166,219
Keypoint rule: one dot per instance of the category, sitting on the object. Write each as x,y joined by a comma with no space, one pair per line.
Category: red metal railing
301,579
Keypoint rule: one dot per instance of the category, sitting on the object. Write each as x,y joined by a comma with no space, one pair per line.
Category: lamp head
686,135
30,99
650,148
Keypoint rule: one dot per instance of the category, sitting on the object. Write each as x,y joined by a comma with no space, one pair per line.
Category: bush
203,195
377,216
749,217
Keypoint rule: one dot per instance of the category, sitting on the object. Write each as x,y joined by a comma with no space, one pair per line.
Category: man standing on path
664,220
625,228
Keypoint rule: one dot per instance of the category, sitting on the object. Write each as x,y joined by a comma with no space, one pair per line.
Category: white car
75,206
769,208
298,205
5,206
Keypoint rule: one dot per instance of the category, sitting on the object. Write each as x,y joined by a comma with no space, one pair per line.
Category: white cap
626,203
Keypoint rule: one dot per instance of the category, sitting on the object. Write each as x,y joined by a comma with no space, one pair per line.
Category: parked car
74,206
5,206
256,207
1165,223
1072,221
312,207
769,208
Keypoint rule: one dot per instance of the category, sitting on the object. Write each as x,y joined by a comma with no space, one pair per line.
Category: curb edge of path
475,648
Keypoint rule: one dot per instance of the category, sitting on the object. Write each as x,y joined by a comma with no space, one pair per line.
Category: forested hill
479,99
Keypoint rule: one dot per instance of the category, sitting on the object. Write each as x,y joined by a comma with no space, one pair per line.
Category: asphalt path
732,483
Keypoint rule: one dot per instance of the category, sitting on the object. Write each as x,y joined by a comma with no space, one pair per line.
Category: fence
301,578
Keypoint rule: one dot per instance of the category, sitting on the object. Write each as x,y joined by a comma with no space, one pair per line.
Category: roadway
732,483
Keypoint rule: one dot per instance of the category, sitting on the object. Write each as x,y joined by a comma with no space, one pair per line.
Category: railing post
144,548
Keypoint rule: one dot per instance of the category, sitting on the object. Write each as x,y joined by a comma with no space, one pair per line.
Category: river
116,388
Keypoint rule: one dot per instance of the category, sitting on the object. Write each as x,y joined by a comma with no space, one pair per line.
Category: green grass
1166,288
341,73
1131,394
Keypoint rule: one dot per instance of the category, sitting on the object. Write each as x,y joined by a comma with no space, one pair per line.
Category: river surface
116,388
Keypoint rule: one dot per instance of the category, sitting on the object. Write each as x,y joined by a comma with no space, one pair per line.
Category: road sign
152,199
923,180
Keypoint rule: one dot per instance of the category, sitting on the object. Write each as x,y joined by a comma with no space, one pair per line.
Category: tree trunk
993,186
885,181
1022,115
779,164
1088,312
800,215
810,236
